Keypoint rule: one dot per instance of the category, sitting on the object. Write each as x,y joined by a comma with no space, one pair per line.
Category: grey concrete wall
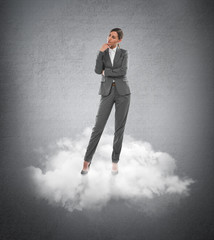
49,90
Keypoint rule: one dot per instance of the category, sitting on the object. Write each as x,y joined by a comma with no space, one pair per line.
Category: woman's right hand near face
104,47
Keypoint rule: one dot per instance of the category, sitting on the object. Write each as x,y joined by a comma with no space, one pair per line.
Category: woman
111,63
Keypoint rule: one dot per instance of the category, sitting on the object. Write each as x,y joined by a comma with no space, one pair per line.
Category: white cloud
143,174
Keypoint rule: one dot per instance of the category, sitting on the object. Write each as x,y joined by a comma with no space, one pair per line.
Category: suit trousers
122,103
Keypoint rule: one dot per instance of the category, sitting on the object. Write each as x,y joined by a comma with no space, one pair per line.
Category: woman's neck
112,47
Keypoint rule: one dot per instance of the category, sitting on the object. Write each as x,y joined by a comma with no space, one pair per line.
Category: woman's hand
104,47
103,73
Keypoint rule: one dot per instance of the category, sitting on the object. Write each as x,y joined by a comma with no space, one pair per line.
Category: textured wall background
49,90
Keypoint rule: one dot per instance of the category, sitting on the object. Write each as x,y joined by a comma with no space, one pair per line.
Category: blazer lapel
116,56
108,56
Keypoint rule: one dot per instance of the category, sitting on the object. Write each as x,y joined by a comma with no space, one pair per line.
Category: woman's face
113,39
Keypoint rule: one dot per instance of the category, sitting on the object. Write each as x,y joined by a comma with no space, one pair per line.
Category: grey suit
116,72
118,93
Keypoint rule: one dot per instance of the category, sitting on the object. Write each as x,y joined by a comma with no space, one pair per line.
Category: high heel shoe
83,172
114,172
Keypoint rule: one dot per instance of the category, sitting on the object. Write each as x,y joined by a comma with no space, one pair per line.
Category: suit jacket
116,72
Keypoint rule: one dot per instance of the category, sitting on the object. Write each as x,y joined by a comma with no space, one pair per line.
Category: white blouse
112,54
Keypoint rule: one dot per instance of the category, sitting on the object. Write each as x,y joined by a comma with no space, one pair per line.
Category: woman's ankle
114,166
85,165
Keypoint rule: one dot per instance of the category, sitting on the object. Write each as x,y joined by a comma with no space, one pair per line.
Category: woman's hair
119,33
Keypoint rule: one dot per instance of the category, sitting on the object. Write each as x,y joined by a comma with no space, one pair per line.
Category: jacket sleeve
118,72
99,63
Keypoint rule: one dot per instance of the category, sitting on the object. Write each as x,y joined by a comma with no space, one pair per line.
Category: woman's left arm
118,72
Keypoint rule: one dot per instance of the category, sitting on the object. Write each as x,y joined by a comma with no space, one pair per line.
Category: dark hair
119,33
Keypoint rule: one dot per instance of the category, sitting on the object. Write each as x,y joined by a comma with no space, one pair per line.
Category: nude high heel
83,172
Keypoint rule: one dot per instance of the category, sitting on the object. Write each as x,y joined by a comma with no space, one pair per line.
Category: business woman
111,63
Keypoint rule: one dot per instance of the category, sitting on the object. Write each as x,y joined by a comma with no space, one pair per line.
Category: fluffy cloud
143,174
